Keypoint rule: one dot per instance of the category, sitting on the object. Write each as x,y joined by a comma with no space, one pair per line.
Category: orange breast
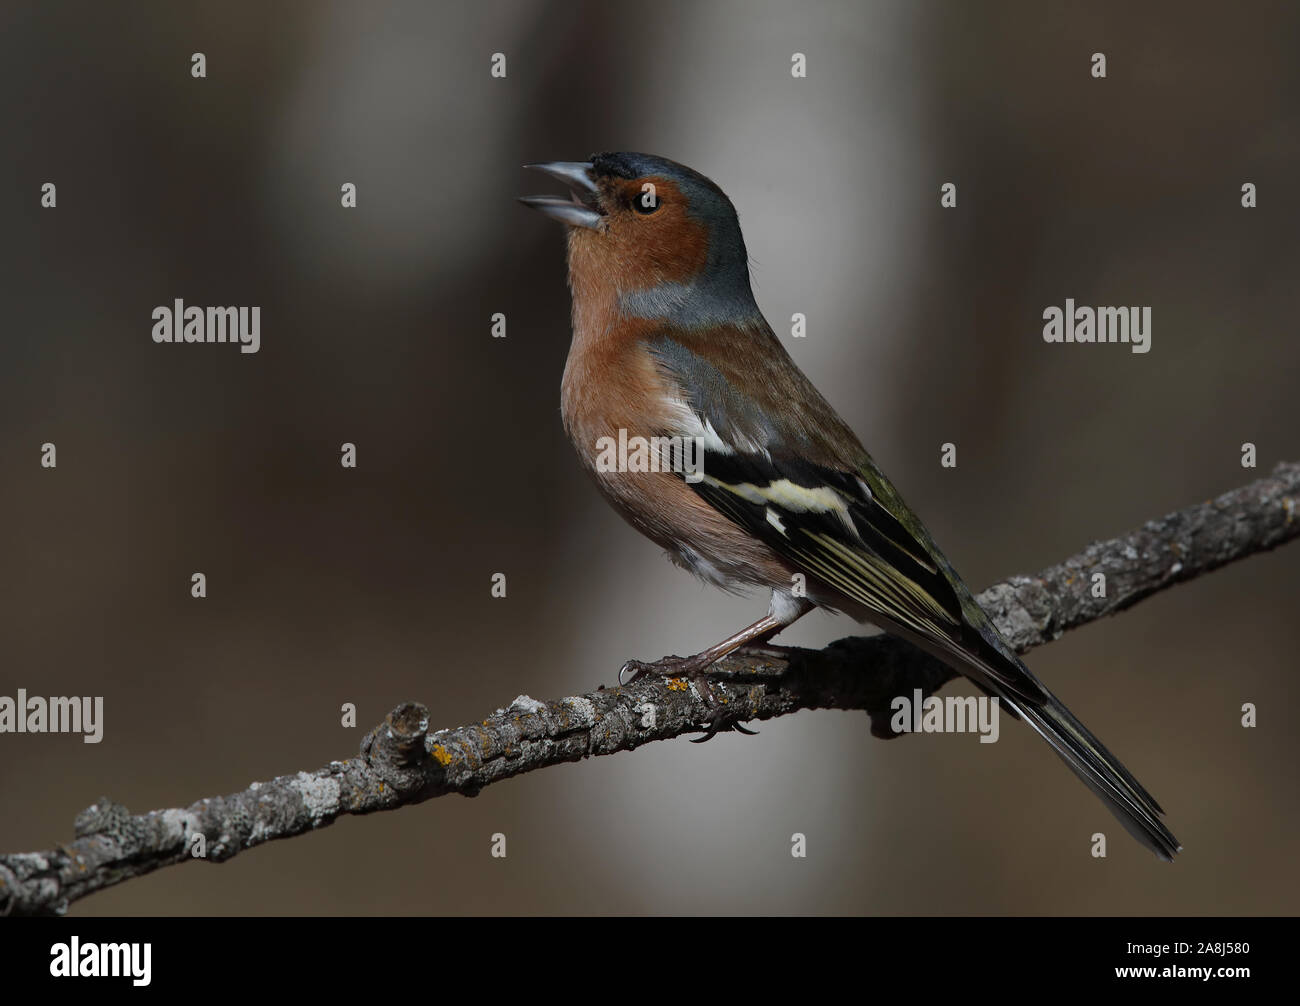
611,384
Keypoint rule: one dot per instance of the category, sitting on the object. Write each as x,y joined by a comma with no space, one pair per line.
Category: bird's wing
829,524
784,466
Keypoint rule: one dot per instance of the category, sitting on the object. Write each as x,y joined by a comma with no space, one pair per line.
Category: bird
669,347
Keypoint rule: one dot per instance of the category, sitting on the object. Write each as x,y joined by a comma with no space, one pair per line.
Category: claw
688,667
672,665
713,729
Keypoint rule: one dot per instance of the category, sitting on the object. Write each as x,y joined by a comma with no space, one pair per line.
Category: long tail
1100,770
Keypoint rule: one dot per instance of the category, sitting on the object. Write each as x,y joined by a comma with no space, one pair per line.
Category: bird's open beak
582,208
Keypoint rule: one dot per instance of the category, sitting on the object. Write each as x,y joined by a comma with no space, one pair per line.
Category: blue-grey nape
694,305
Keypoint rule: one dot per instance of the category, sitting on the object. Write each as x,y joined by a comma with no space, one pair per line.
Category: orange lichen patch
678,685
440,755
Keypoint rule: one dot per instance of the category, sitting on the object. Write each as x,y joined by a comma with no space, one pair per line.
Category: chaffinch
669,343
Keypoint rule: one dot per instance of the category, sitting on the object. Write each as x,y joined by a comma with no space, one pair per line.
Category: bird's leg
786,609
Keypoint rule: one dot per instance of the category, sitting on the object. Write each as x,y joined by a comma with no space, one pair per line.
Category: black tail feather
1100,771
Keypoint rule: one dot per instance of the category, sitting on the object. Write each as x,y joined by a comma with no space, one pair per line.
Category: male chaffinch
668,342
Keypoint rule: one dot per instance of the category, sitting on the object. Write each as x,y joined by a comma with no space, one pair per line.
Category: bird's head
658,237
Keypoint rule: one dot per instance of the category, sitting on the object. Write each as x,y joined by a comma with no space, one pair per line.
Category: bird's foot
667,667
694,669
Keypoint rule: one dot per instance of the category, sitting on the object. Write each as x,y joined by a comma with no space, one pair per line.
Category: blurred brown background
372,586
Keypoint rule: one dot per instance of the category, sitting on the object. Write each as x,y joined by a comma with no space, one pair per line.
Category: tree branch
402,763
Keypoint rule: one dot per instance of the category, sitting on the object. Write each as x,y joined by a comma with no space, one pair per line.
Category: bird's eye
647,201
